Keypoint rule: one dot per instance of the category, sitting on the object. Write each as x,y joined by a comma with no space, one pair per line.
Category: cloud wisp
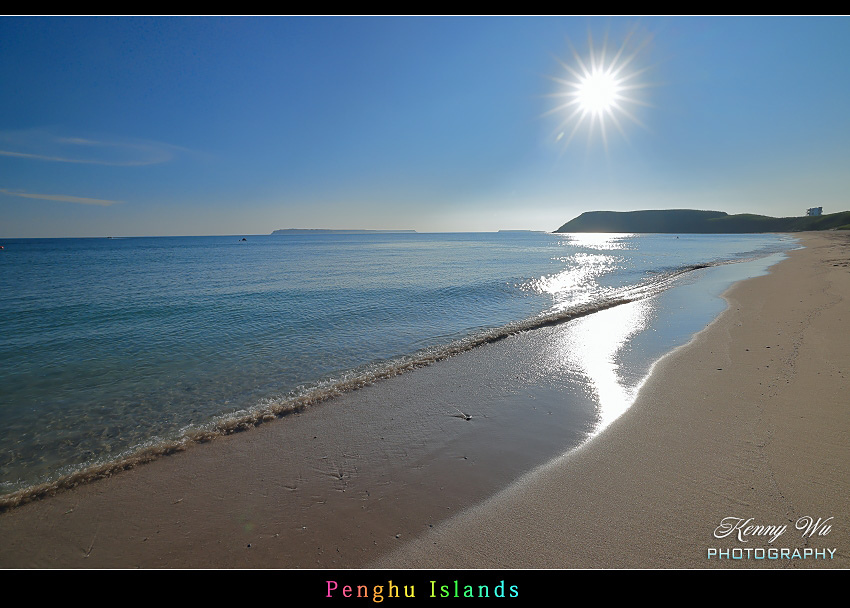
43,146
63,198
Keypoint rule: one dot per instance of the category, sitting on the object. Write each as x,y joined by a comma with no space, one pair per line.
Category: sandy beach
748,421
430,470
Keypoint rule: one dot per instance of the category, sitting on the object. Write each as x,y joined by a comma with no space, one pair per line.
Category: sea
118,350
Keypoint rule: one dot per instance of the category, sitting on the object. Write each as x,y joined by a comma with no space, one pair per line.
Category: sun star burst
598,91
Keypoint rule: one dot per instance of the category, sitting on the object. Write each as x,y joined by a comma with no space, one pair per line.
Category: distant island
285,231
685,221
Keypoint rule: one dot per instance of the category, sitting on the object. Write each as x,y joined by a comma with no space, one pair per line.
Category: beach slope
441,467
746,426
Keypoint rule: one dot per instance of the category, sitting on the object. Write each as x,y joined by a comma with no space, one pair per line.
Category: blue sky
181,126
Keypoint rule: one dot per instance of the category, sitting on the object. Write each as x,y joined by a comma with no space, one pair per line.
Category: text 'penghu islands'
703,222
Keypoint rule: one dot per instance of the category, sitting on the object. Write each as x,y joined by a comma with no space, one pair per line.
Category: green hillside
685,221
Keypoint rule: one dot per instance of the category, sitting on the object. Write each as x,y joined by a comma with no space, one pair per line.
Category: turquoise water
109,346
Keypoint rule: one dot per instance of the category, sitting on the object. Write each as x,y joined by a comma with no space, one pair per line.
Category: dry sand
749,420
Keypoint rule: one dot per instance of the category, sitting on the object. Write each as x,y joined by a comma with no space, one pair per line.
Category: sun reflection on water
578,282
593,347
601,241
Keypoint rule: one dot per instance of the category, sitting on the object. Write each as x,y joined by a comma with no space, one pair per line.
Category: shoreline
747,421
364,483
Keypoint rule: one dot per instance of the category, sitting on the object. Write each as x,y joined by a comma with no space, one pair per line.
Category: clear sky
184,126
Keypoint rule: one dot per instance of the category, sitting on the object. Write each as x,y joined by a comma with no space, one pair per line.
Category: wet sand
336,486
749,420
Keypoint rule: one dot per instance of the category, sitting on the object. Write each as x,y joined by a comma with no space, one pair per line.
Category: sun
599,90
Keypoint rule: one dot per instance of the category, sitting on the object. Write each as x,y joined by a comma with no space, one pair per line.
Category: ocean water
119,349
